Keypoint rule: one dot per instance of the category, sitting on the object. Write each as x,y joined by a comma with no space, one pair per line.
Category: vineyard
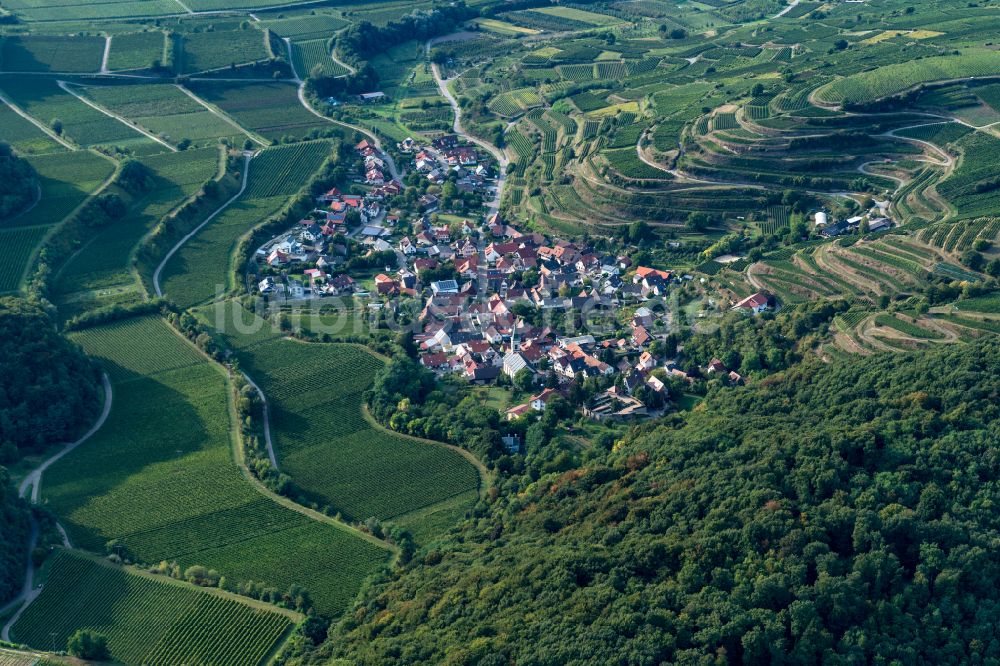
179,496
104,261
136,50
16,247
203,51
148,621
893,79
284,170
269,109
166,111
306,55
319,26
26,138
960,236
43,98
66,180
328,447
43,53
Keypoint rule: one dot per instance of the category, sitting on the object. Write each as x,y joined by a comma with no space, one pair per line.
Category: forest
839,513
18,182
49,389
14,525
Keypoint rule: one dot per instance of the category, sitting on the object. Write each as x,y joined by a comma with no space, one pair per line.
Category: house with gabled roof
755,303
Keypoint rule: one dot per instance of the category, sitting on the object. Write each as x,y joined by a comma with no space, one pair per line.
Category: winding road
499,155
29,489
396,175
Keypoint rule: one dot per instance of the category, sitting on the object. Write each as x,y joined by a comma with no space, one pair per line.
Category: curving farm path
266,409
247,156
29,489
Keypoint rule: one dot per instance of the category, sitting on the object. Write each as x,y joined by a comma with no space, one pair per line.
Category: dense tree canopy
18,182
49,390
14,526
841,513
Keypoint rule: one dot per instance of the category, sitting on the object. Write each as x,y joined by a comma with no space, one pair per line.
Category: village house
755,303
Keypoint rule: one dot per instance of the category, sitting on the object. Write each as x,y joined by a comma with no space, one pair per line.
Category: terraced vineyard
892,79
892,265
180,496
960,236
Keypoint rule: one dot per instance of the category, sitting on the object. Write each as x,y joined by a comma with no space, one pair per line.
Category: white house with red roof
755,303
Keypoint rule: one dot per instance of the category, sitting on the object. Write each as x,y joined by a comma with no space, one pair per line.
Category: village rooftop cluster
484,286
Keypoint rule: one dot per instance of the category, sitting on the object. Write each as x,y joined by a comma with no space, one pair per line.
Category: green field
166,111
201,267
43,53
180,496
103,263
136,50
269,109
146,620
43,99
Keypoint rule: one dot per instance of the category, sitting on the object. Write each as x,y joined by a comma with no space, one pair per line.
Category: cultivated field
148,621
166,111
180,496
269,109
